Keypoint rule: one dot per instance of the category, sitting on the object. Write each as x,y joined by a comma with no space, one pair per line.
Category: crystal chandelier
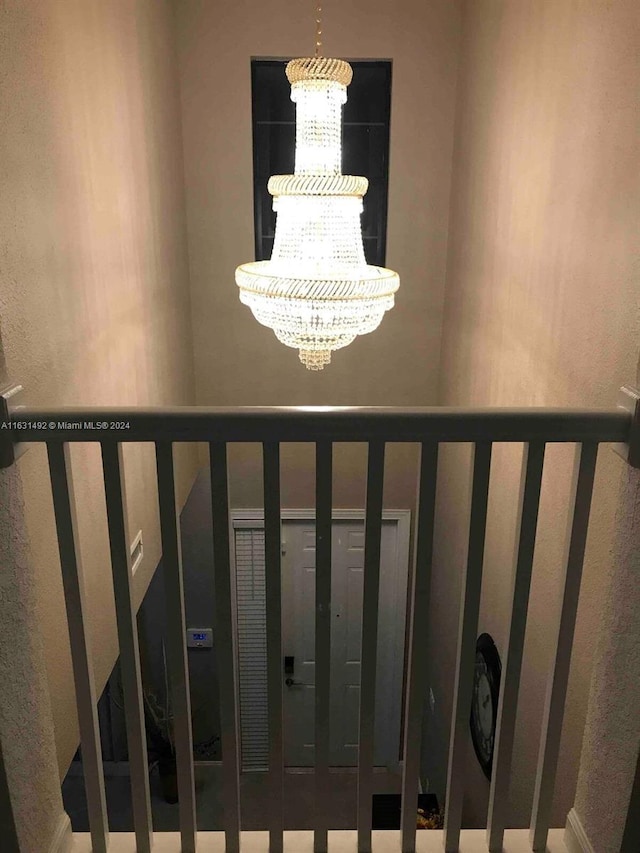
317,292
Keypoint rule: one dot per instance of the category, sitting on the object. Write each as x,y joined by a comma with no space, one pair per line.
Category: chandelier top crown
319,68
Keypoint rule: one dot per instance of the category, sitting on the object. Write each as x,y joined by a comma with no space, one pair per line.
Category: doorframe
250,518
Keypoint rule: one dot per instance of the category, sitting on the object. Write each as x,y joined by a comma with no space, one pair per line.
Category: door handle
291,683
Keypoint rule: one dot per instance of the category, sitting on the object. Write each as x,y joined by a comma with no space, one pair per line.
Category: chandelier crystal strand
318,30
317,292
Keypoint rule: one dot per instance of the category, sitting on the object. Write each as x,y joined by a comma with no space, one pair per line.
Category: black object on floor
386,809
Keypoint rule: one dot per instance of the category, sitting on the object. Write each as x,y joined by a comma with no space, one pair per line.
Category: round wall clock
484,702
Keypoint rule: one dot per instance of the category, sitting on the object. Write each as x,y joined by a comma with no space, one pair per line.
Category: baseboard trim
63,839
575,838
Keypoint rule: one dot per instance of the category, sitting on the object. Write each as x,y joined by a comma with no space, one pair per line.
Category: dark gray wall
197,565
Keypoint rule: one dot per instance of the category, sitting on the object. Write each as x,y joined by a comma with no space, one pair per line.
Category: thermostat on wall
199,638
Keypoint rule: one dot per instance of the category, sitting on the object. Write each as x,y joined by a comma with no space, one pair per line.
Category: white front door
298,574
298,589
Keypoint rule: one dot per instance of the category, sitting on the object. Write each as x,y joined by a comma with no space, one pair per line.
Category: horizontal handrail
312,423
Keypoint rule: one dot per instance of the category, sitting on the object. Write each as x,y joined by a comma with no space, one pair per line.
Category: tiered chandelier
317,292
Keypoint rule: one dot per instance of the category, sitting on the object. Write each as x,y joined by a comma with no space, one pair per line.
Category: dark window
365,145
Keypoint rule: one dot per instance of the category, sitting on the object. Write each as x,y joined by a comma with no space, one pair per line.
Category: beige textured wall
25,706
239,362
541,309
94,299
612,732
